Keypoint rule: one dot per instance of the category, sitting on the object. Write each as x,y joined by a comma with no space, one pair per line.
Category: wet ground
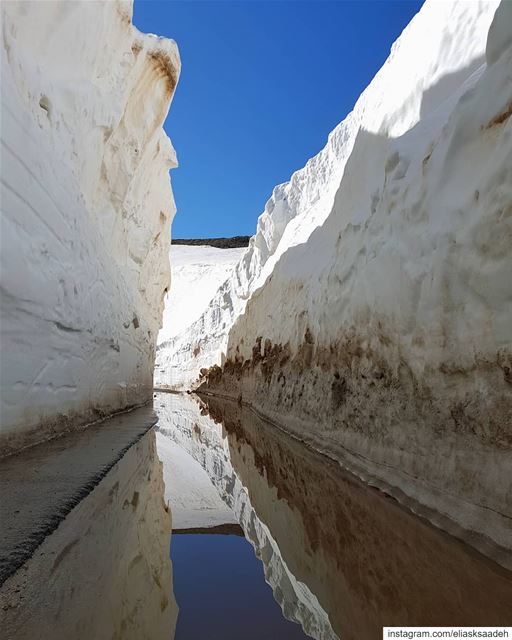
40,486
270,540
105,571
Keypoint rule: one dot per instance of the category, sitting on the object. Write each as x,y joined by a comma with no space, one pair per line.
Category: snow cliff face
385,338
197,274
439,50
86,212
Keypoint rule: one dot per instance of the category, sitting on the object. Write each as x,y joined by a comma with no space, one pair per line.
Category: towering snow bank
86,210
442,46
386,338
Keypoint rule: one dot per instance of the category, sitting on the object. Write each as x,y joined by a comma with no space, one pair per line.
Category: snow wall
377,324
86,213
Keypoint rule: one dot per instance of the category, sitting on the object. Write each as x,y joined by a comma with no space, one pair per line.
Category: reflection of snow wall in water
105,572
181,421
194,501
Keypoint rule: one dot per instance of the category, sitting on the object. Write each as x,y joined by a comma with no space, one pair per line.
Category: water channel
270,540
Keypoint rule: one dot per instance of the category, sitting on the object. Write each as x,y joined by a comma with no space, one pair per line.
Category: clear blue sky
262,84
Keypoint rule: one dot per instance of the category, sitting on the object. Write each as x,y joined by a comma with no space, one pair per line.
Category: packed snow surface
86,212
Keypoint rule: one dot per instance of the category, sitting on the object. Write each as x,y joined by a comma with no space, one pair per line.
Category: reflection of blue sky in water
221,591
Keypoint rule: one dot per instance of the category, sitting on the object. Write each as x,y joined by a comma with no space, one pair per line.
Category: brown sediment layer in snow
439,438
